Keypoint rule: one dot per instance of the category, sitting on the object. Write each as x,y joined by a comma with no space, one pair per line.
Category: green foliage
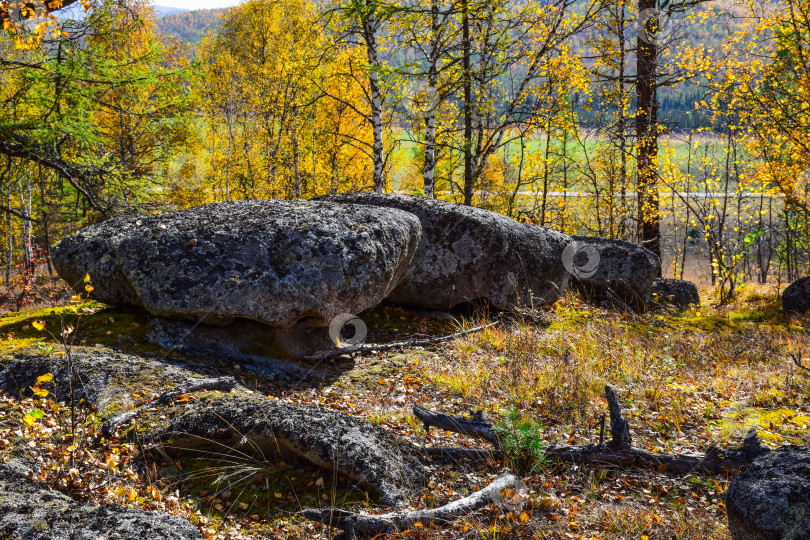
521,442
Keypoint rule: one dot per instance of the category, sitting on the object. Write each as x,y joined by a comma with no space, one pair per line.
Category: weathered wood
619,428
370,347
223,384
714,461
473,427
619,451
797,359
369,526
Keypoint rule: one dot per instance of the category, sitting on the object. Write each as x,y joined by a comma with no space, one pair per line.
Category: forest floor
686,381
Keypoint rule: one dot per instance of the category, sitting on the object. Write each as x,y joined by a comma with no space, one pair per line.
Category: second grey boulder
468,254
321,437
613,271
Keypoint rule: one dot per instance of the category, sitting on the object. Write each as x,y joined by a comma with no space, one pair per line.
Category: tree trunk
296,154
622,124
46,235
468,113
649,229
378,152
429,174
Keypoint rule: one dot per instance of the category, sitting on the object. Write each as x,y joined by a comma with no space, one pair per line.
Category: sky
196,4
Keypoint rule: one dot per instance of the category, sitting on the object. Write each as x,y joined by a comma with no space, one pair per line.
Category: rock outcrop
351,446
612,271
293,265
31,511
796,297
468,254
104,380
678,292
771,500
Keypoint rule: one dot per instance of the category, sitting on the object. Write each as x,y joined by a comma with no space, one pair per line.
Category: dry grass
686,380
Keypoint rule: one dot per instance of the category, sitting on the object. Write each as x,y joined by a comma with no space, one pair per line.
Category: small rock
796,298
771,500
678,292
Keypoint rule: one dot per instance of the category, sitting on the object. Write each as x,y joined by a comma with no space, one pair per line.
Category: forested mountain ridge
190,26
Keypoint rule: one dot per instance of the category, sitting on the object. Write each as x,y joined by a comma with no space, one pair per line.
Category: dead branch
223,384
369,347
369,526
797,359
714,461
473,427
619,451
619,427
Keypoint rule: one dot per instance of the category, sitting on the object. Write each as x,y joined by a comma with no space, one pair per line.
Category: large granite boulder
613,271
796,297
468,254
771,500
31,511
678,292
293,265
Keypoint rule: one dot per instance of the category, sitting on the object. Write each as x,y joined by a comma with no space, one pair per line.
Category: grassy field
407,153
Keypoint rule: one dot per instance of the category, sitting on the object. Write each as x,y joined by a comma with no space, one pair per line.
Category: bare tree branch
367,525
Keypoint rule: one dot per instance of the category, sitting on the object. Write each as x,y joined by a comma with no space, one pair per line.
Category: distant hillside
190,26
165,11
76,12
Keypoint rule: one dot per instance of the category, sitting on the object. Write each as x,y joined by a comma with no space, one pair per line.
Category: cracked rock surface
468,254
271,261
614,271
326,439
771,500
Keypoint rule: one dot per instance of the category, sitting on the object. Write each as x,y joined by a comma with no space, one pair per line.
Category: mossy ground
686,380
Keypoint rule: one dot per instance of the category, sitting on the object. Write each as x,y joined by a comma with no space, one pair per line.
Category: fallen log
223,384
713,461
618,451
370,526
475,426
370,347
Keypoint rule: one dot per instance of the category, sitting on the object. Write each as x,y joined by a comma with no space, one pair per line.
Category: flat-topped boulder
796,297
771,500
613,271
468,254
677,292
287,264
